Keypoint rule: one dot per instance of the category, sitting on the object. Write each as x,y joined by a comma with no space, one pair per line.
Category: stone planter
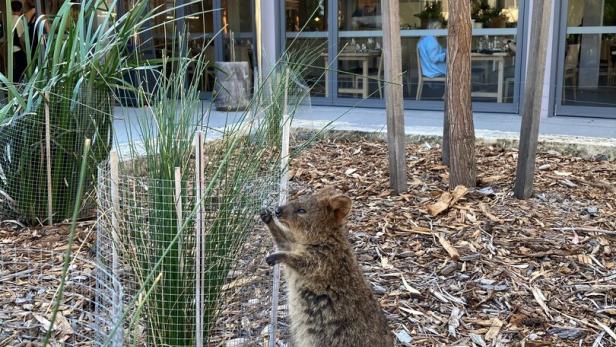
232,86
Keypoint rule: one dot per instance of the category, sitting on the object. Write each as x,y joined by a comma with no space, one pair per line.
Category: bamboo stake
282,200
178,211
199,235
48,160
115,261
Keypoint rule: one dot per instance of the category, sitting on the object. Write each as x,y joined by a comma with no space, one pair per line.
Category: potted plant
490,17
433,11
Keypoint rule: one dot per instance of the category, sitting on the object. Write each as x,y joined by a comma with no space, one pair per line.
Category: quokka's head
311,217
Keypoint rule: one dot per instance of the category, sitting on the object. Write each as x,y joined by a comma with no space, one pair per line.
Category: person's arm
437,53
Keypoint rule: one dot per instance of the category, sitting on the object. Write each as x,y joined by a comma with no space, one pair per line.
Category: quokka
330,302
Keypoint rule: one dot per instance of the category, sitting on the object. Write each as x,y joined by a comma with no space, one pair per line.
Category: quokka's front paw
266,216
273,259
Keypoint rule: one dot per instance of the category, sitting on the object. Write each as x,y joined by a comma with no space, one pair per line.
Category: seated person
431,55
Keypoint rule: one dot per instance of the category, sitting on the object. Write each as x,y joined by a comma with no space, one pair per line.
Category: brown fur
330,302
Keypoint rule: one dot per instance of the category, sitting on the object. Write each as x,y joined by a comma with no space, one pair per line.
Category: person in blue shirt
432,55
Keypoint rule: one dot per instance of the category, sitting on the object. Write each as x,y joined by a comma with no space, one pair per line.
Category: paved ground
487,125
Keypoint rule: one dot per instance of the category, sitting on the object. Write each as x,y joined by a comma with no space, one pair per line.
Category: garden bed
539,272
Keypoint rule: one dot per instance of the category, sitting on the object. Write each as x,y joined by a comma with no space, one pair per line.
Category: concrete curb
591,148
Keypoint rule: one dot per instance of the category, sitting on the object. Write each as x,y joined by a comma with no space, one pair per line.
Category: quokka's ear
341,205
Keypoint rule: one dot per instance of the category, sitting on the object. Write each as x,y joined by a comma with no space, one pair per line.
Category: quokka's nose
278,211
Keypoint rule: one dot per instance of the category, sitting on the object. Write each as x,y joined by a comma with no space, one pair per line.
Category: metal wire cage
30,278
40,152
183,250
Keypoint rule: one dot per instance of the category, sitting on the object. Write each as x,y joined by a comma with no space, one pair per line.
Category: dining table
362,56
497,58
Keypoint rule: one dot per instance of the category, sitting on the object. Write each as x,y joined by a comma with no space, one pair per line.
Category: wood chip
451,250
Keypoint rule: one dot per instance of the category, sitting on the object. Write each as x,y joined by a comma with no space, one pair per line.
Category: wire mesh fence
179,248
30,278
40,153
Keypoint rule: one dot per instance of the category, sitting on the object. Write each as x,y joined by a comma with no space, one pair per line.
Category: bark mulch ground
479,267
467,267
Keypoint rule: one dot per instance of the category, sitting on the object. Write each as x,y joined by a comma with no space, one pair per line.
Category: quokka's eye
300,211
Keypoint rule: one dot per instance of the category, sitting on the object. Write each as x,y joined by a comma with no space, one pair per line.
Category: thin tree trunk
462,169
445,145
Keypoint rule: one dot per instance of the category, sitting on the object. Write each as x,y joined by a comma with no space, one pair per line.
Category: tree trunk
445,144
459,109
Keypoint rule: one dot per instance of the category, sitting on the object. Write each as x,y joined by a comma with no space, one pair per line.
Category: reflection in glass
485,13
237,31
589,75
306,15
306,26
589,72
200,26
359,15
360,58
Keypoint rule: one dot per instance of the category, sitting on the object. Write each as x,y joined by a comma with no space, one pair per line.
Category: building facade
581,67
347,35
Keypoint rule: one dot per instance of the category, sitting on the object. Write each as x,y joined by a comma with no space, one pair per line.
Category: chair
571,66
423,79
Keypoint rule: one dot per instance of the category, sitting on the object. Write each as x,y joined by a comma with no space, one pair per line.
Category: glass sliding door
587,58
495,58
306,26
355,62
238,34
359,53
200,34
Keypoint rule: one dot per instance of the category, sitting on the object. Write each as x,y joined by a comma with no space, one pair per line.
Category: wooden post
115,242
533,91
48,160
199,239
282,200
459,108
178,212
393,95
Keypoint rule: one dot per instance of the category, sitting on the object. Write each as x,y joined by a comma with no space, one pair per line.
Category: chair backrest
419,70
572,56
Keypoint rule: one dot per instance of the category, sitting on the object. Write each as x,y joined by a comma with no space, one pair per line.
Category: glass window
200,27
306,24
306,15
493,56
237,30
589,72
360,57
